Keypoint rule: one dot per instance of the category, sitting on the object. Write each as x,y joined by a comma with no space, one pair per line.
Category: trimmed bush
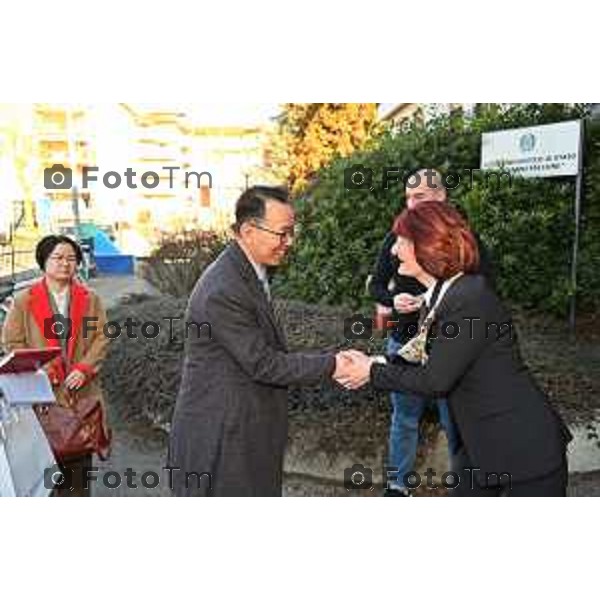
177,263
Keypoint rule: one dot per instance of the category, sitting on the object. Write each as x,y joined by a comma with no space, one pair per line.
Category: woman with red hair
512,441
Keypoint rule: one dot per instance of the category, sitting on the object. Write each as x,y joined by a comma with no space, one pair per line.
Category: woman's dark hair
251,204
444,244
46,246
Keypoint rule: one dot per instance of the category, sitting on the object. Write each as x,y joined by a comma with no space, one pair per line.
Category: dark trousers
74,482
549,484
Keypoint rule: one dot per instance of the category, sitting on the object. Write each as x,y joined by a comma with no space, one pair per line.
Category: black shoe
397,493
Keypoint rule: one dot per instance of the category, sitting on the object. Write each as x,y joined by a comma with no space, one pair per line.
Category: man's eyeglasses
282,235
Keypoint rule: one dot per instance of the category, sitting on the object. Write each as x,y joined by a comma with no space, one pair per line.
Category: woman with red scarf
59,311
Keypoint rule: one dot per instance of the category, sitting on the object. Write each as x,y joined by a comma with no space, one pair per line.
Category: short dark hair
251,204
46,246
438,180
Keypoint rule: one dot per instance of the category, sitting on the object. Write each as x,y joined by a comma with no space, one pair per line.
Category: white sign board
540,151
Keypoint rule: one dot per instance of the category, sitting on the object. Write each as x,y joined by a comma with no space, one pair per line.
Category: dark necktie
265,285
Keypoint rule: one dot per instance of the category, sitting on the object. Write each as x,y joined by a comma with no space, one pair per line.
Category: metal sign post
553,150
578,192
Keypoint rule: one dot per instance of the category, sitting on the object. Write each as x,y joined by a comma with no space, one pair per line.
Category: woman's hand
354,370
407,303
75,380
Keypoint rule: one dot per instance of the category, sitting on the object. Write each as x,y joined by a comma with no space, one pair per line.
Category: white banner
540,151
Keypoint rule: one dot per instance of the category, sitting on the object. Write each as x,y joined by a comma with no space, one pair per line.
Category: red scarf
40,308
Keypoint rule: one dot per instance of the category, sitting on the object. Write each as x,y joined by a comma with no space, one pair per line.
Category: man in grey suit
229,427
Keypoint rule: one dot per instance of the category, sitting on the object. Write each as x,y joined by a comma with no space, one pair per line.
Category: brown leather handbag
76,429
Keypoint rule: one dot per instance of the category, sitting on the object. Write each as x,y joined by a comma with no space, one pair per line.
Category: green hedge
528,225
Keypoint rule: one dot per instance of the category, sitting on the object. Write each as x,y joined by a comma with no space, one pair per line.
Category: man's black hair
251,204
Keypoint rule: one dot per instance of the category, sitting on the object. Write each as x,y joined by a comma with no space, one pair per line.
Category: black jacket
504,419
386,283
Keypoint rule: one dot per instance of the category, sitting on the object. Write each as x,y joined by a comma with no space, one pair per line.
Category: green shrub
528,225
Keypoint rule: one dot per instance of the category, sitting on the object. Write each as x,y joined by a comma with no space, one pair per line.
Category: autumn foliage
309,136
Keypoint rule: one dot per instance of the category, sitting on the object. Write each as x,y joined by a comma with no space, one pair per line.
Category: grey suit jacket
230,419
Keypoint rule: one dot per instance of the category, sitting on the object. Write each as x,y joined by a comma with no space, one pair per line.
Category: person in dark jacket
402,295
229,428
512,442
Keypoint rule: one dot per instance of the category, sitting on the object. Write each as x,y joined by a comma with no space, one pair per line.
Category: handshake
353,368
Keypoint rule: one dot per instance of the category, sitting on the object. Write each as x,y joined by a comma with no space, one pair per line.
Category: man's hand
353,369
342,363
407,303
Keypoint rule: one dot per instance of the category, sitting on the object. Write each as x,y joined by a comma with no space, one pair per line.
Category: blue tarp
104,245
115,264
109,259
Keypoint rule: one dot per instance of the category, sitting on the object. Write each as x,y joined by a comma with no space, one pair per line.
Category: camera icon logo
58,177
358,177
358,477
358,327
54,477
57,327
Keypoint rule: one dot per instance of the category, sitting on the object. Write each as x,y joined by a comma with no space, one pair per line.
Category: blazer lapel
40,309
249,274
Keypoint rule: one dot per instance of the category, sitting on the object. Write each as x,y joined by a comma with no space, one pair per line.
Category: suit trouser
549,484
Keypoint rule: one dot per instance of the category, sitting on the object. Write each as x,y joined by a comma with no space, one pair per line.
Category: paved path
144,451
112,289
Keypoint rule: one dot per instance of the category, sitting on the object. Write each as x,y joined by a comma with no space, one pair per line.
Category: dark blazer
230,417
504,419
